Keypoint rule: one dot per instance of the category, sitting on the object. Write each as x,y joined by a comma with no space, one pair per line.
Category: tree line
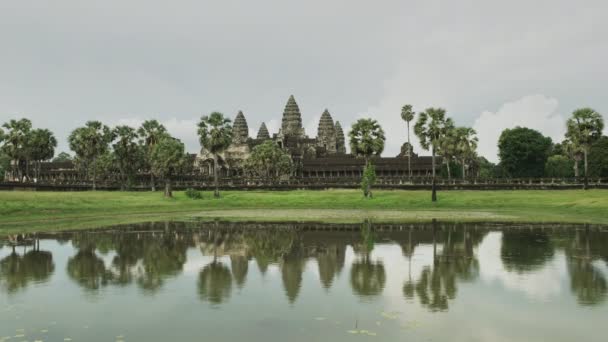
124,152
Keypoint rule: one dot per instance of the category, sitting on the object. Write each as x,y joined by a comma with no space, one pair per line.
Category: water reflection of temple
149,255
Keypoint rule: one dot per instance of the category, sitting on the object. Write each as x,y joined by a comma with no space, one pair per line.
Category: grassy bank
26,211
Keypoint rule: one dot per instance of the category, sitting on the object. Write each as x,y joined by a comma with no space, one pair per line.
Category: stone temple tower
240,130
326,136
340,142
291,124
263,132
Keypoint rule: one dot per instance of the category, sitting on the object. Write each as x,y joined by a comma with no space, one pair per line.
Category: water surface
305,282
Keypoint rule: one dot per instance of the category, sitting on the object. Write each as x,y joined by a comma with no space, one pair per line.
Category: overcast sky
491,64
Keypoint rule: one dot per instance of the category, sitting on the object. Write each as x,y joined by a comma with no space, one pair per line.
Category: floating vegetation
362,332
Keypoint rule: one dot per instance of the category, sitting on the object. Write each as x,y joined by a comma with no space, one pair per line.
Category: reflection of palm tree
88,270
163,257
525,251
408,251
17,271
436,286
367,278
214,283
586,281
11,273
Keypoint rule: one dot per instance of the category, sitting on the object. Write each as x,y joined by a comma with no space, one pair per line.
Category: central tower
291,124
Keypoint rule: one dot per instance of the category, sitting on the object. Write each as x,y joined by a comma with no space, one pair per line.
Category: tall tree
15,144
366,140
407,114
431,128
215,136
583,129
466,146
448,149
598,158
523,152
41,144
167,160
150,133
89,143
573,152
128,154
269,161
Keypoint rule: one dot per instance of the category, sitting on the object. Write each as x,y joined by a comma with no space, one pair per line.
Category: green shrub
194,194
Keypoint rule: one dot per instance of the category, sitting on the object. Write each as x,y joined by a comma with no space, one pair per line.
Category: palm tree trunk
464,170
216,193
576,172
168,189
153,186
586,170
433,186
409,153
94,174
449,171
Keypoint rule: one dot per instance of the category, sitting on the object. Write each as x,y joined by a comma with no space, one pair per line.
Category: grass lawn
36,211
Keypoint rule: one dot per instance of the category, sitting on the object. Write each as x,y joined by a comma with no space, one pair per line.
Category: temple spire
292,119
240,129
326,134
263,132
340,141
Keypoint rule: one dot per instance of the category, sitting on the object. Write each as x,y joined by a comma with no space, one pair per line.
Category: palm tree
407,114
431,127
583,129
41,144
573,152
448,149
215,135
89,143
128,154
15,143
466,145
150,133
366,140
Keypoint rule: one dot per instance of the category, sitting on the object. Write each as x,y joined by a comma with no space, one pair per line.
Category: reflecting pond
306,282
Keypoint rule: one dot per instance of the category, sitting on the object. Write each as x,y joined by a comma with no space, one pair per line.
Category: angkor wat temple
321,157
317,161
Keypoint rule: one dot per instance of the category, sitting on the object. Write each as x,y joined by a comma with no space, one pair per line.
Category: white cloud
535,111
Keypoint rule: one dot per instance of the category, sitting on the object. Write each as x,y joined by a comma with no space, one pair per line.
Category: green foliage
269,161
432,127
598,158
584,127
215,136
41,144
89,143
559,166
194,194
407,113
523,152
62,157
167,157
366,138
5,163
215,132
368,180
167,160
129,154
